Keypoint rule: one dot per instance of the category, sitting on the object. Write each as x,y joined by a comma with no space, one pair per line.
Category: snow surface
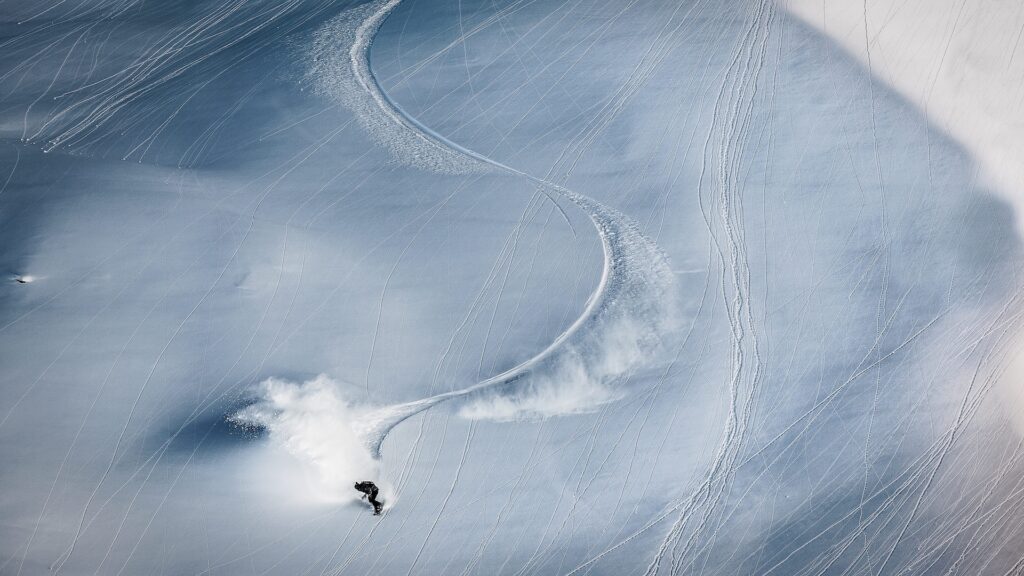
587,287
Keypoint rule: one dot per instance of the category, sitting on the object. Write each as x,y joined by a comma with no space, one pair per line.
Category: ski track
635,282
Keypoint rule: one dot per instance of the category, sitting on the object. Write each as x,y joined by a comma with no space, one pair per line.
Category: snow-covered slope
959,62
641,287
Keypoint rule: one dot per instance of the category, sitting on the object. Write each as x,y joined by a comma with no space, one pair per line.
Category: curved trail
634,293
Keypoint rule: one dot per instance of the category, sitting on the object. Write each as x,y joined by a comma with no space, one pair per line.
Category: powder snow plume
581,377
312,421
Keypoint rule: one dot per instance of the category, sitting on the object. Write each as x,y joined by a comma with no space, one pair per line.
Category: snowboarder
370,490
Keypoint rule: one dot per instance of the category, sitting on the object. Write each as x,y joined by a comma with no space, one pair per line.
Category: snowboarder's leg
377,505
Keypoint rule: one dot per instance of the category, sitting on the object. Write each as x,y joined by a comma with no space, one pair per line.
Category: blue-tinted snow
215,225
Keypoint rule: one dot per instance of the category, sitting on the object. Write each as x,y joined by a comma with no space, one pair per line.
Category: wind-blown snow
313,422
580,379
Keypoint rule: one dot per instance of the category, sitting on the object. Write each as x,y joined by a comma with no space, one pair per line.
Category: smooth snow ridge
625,318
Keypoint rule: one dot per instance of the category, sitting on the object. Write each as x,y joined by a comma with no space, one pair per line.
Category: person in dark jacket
370,490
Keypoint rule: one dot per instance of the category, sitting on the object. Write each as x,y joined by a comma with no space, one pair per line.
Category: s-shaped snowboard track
635,287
